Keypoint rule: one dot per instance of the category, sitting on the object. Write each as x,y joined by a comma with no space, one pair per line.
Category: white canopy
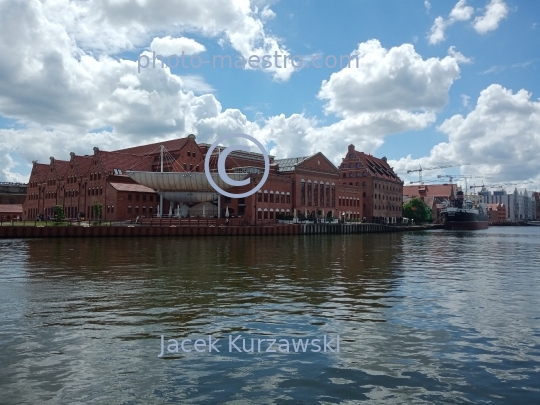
179,181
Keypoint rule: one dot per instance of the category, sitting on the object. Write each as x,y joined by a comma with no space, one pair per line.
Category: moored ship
464,215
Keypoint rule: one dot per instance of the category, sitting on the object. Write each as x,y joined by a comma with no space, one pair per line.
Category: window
259,196
351,174
357,183
365,184
136,209
271,196
190,168
351,166
357,174
265,196
112,209
150,210
350,155
100,190
364,174
302,193
185,167
189,153
129,209
265,214
130,197
309,193
197,168
271,214
144,209
344,175
344,165
144,197
259,214
358,165
322,194
288,198
283,198
333,195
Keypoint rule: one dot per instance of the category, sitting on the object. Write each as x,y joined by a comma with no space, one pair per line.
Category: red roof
61,167
172,145
82,165
11,209
136,188
429,190
40,170
378,167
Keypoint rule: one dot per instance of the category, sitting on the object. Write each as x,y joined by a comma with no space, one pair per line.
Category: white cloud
500,137
427,5
267,14
67,97
397,79
496,11
168,46
460,12
465,100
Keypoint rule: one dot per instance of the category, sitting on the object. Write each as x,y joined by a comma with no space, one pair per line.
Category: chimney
384,158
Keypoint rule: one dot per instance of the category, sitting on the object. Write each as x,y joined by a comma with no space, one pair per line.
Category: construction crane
454,176
503,184
421,169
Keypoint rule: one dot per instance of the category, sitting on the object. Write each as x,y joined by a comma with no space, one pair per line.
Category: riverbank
11,232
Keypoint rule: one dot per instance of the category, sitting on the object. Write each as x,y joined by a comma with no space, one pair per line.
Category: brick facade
308,186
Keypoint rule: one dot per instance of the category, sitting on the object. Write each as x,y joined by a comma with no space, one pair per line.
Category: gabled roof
289,164
61,167
82,165
378,167
172,145
429,190
40,170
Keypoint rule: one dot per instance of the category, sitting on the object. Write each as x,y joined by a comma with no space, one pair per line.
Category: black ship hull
464,220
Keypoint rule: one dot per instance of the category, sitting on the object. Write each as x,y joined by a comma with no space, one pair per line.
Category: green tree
59,215
97,210
417,210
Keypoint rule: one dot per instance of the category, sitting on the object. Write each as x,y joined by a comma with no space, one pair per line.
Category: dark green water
430,317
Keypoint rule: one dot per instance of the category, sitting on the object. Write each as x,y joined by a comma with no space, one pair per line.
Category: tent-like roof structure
182,181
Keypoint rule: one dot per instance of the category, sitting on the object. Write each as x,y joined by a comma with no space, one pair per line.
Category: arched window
357,174
351,166
351,174
357,183
344,165
358,165
364,184
350,155
344,175
364,194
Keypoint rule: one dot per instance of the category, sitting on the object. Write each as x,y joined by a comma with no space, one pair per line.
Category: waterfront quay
176,227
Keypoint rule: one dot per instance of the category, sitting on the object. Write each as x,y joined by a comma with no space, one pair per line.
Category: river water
425,317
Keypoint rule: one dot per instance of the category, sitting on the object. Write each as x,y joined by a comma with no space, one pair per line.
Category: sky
430,83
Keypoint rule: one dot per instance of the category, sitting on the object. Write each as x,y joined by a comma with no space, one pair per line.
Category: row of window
349,202
95,191
351,166
388,207
150,197
353,174
95,176
386,187
316,194
386,197
130,209
274,198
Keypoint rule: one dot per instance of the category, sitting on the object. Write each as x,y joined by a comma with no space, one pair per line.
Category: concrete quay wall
10,232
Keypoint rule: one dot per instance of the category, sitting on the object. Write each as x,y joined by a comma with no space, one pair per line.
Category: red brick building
379,188
496,212
10,211
309,186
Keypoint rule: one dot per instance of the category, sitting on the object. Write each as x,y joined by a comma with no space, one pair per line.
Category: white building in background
519,204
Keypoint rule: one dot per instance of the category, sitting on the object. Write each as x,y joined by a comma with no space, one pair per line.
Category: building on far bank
433,196
496,212
311,186
536,196
10,211
380,188
519,205
12,193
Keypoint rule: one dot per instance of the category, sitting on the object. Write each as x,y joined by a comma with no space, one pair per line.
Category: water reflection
431,317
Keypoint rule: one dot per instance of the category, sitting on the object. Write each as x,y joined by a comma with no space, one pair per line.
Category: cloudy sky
431,82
